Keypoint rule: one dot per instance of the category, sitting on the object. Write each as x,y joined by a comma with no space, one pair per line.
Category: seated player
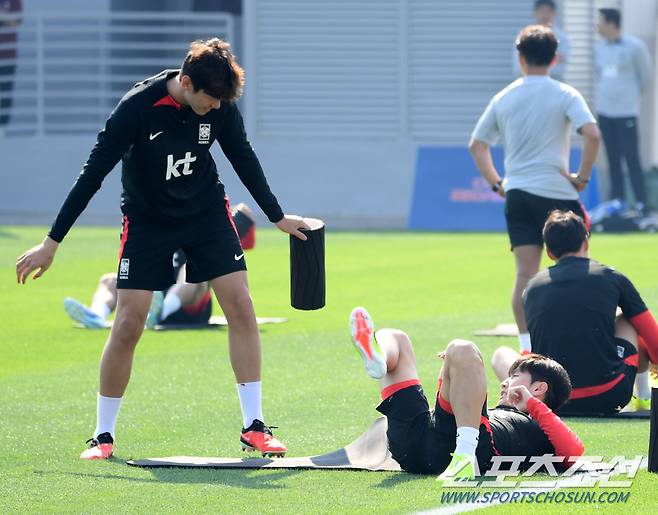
182,304
460,431
572,312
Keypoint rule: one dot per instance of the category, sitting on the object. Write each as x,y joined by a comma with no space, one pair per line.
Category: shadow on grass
236,478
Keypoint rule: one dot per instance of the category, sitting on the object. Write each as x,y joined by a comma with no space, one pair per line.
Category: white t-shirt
533,117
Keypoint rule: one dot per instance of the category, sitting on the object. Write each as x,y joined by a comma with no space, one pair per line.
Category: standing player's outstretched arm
112,143
241,155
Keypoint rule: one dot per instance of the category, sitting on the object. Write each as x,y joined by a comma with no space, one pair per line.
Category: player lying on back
460,432
181,303
572,310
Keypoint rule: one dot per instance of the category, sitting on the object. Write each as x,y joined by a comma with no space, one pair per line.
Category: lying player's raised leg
463,392
501,361
116,364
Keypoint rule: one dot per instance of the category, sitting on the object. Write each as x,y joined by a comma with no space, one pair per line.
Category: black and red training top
168,174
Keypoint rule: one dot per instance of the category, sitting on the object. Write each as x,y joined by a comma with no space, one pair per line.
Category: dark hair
611,16
537,44
212,68
545,3
564,232
549,371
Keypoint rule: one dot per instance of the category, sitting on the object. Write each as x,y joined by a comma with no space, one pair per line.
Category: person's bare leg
116,362
189,294
502,360
104,300
115,366
232,293
400,357
464,382
528,259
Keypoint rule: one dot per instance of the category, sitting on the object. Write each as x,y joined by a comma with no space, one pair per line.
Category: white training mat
368,452
215,321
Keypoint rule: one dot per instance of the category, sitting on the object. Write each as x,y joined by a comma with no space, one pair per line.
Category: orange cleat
362,329
100,448
258,437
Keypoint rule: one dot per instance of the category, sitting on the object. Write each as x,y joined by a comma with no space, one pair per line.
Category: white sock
467,440
251,402
642,385
106,414
170,305
524,342
101,309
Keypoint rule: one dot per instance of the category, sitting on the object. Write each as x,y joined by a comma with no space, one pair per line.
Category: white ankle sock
101,309
251,402
524,342
170,305
642,385
106,414
467,440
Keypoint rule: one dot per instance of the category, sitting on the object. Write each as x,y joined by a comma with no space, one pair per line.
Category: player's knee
402,338
463,352
128,327
241,308
109,280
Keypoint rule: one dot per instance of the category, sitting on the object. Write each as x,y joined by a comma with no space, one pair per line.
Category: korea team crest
204,133
124,268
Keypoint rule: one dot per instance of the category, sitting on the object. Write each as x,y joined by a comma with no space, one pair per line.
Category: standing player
533,117
623,69
572,312
422,442
172,198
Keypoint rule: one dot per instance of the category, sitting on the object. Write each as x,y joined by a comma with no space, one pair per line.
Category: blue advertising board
450,195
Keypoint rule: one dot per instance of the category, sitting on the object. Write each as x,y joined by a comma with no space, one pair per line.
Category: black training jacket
168,173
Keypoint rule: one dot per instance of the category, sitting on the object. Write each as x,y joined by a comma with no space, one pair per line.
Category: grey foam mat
368,452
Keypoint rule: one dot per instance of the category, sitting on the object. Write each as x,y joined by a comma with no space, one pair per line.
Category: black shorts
196,314
210,243
614,399
422,441
525,215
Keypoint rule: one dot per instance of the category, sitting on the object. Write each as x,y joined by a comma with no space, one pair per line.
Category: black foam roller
307,276
652,466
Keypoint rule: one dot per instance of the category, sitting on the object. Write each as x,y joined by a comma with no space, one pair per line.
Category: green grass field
182,398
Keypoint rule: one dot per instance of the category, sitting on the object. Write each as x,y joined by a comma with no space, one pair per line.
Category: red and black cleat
258,437
100,448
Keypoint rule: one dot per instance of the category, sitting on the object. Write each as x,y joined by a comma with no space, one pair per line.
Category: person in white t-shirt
532,117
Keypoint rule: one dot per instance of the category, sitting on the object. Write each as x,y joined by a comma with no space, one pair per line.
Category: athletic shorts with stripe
611,396
422,441
525,215
210,243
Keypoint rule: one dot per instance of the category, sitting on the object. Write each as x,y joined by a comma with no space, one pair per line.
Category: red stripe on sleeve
646,326
565,442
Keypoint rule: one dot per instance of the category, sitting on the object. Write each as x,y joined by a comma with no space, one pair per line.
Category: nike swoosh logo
238,258
153,136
